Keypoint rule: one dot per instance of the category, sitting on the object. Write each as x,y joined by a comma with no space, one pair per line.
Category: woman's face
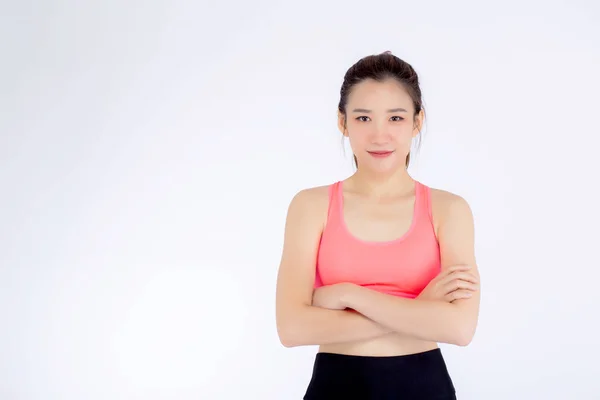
380,124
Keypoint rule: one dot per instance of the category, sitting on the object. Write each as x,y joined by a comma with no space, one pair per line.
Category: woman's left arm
438,321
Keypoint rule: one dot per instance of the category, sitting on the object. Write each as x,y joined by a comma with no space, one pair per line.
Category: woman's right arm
299,323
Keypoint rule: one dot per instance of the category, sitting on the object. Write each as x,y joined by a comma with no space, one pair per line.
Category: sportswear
401,267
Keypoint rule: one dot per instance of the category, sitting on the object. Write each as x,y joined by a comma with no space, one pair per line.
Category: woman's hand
332,297
451,284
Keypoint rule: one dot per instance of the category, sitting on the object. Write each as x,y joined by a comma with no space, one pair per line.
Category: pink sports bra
401,267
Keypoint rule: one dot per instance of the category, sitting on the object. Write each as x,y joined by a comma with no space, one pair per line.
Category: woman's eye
397,118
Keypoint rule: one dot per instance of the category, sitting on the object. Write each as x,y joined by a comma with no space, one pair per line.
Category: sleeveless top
401,267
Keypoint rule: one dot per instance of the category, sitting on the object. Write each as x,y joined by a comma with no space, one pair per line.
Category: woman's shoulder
313,201
444,197
443,202
310,195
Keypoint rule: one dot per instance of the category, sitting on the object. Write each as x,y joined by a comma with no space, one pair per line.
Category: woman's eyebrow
364,110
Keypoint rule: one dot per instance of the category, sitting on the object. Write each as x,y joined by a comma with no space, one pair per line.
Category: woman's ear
418,123
342,124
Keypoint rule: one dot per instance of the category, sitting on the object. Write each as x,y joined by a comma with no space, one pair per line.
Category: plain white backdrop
149,151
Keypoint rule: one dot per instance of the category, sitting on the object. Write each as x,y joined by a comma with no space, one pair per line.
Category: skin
378,201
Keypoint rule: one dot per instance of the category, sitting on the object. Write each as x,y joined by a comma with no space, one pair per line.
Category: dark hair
380,67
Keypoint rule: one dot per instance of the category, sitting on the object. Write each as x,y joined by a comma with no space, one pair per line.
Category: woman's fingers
457,268
458,284
446,273
464,276
457,295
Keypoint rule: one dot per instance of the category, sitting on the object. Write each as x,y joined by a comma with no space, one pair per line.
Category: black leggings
420,376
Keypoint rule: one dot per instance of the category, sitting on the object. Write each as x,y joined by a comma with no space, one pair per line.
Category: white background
149,151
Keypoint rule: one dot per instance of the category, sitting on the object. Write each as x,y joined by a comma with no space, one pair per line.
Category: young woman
379,268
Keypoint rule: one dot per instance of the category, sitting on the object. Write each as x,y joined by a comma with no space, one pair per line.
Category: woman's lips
380,154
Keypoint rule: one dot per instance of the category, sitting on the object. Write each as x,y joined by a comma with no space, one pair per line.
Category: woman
379,268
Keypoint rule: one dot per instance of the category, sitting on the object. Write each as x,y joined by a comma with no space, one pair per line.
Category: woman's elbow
287,338
463,340
290,332
463,335
293,337
285,333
